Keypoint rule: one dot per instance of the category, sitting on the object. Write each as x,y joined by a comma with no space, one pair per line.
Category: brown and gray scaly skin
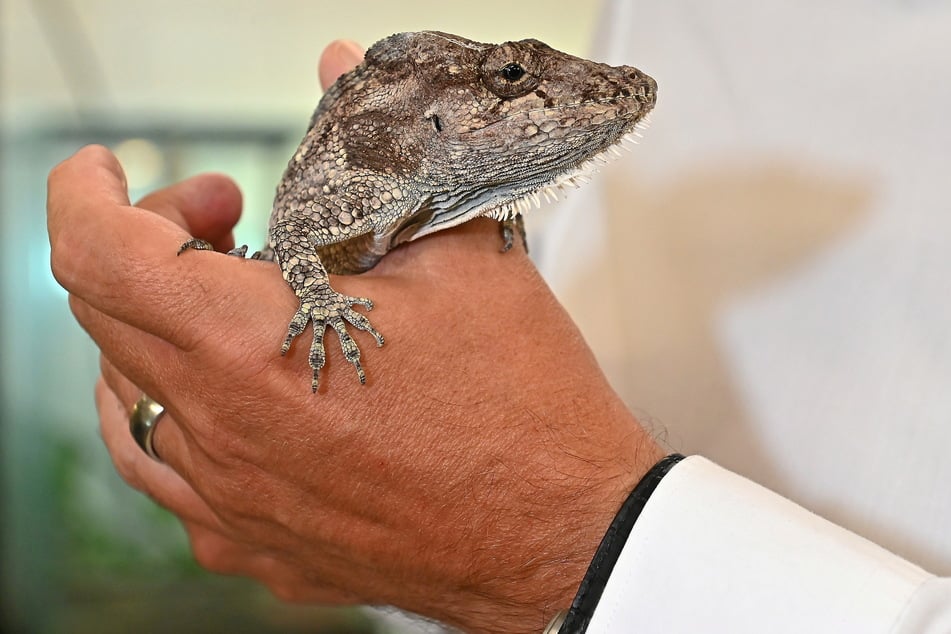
430,131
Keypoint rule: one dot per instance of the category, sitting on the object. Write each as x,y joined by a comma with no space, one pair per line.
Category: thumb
339,57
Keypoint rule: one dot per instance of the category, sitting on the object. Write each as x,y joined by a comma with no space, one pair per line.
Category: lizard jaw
570,179
438,217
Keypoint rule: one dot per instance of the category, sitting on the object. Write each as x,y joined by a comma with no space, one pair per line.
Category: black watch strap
596,578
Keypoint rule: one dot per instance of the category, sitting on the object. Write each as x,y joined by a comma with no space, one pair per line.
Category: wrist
608,522
586,600
554,532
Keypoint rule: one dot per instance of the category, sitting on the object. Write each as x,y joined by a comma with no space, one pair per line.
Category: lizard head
478,129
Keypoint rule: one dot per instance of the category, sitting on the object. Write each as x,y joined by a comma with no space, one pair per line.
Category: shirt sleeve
714,552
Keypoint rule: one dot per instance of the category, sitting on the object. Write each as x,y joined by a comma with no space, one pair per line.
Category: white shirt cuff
714,552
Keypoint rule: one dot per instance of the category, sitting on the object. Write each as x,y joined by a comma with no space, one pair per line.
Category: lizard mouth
643,110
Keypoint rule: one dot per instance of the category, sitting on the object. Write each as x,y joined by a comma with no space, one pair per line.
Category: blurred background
174,88
772,250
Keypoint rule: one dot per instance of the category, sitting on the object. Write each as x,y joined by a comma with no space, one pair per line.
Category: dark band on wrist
596,578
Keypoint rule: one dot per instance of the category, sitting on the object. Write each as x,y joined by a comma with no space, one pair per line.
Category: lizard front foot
266,254
509,228
197,244
325,307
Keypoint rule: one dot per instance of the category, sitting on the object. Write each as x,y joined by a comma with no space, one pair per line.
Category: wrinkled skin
455,486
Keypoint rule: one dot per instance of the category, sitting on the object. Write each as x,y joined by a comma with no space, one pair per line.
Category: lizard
429,131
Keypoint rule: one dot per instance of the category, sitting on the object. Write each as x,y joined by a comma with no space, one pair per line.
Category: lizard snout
641,85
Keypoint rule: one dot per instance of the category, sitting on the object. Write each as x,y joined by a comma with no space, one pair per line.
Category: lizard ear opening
435,120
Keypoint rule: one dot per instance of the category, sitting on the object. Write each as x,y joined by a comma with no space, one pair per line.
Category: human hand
470,480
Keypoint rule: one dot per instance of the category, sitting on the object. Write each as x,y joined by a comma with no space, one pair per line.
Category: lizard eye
508,78
512,72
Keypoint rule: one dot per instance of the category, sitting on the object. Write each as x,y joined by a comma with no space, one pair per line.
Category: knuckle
121,460
68,243
76,307
230,499
288,593
62,260
112,421
125,466
100,155
208,551
125,463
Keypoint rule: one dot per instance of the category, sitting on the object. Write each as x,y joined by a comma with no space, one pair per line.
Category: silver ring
146,414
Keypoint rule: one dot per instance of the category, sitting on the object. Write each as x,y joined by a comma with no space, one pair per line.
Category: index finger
121,259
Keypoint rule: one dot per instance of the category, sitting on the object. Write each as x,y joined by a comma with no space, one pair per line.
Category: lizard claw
325,307
509,228
203,245
195,243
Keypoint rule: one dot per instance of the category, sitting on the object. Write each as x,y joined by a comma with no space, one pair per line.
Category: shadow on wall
680,252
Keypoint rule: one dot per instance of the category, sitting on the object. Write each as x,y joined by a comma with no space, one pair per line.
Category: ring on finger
146,414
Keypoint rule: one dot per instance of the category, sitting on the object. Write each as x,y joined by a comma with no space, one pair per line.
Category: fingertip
339,57
220,198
